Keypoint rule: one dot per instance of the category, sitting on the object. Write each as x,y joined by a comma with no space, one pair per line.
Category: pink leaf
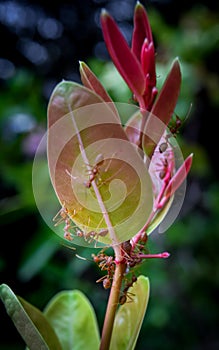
178,178
123,58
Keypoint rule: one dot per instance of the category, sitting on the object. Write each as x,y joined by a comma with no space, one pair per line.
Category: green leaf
84,134
130,316
73,318
29,321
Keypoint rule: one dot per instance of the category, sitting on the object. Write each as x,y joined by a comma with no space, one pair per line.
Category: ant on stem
125,293
105,263
94,170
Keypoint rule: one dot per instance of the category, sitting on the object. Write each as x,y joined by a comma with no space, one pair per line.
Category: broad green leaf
29,321
73,319
130,316
85,135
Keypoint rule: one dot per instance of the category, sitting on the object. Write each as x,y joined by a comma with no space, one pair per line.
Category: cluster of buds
136,65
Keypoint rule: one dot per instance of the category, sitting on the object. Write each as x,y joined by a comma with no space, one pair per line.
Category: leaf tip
82,64
104,14
176,63
139,6
3,288
188,162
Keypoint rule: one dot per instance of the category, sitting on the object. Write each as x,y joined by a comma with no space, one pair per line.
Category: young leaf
130,316
74,321
163,109
96,172
178,177
29,321
142,30
90,81
125,61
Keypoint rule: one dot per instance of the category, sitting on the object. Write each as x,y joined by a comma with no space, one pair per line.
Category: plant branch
103,209
112,306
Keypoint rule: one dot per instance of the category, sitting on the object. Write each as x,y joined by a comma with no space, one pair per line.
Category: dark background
41,44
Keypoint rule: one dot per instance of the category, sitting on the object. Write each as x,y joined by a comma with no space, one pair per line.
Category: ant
93,235
64,216
164,170
67,233
94,170
125,294
174,129
130,257
106,263
61,216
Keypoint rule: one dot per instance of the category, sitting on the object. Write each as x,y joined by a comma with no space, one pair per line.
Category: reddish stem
112,307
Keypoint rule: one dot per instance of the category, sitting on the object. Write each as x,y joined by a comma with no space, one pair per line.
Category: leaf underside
81,128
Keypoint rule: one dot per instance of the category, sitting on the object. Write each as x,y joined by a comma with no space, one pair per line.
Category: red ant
130,257
93,235
94,170
163,172
106,263
175,126
125,294
64,216
61,216
174,129
67,233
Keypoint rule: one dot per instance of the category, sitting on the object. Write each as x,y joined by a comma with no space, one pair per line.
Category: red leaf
90,81
163,109
142,30
123,58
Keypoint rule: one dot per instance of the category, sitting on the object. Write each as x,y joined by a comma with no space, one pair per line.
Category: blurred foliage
183,308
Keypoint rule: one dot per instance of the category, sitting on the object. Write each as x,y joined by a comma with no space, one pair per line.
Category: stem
96,190
112,307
